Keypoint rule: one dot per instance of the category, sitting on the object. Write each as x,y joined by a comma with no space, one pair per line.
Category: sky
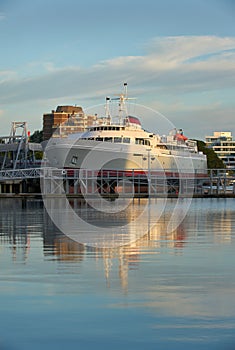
177,56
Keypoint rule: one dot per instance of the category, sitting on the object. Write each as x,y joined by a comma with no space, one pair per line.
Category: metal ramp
16,152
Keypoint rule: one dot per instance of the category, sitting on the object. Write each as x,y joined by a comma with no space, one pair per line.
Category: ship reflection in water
28,225
127,257
172,288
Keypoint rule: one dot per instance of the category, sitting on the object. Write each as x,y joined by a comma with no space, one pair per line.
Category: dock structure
16,150
83,182
21,174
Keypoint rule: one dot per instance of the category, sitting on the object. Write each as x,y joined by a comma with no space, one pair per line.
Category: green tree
36,137
213,161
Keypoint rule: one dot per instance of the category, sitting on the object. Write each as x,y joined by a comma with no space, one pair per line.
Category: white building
224,146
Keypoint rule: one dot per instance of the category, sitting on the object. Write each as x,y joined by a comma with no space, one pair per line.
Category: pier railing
127,182
20,174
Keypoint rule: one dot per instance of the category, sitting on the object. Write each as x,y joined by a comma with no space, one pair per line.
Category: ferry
120,143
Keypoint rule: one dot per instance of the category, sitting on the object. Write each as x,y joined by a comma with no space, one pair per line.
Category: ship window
74,160
117,139
161,146
139,141
99,139
126,139
147,142
108,139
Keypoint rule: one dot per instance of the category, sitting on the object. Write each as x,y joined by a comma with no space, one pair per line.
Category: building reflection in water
18,220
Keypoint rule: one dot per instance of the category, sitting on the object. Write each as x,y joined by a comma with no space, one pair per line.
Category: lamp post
149,172
149,158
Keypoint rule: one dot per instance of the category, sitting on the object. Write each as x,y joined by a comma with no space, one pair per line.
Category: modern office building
224,146
66,120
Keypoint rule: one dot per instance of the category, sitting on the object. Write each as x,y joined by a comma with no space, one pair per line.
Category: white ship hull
89,154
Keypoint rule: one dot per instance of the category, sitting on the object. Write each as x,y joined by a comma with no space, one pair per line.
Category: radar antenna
122,108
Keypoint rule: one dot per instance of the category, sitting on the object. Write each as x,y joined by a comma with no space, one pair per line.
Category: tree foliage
213,161
36,137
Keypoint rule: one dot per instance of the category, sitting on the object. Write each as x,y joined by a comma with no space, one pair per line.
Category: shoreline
110,196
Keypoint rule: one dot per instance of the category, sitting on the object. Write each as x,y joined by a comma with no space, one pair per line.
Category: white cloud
180,49
7,75
172,69
174,63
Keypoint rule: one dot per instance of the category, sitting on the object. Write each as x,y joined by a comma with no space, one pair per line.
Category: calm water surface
168,290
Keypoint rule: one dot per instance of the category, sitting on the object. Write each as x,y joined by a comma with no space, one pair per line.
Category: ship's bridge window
111,128
114,128
126,140
108,139
117,139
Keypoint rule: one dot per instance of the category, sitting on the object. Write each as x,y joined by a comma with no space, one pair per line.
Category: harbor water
171,288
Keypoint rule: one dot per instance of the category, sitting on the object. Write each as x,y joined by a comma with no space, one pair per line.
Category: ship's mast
125,89
122,108
122,112
107,108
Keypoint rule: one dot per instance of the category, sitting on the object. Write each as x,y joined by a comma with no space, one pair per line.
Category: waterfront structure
53,182
122,143
15,149
224,146
66,120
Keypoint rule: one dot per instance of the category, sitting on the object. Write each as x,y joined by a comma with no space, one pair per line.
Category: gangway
15,150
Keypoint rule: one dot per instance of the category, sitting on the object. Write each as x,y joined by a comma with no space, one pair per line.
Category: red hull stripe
134,173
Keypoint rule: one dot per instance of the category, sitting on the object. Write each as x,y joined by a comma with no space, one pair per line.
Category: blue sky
177,56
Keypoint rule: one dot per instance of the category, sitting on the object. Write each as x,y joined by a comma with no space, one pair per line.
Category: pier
23,175
49,181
